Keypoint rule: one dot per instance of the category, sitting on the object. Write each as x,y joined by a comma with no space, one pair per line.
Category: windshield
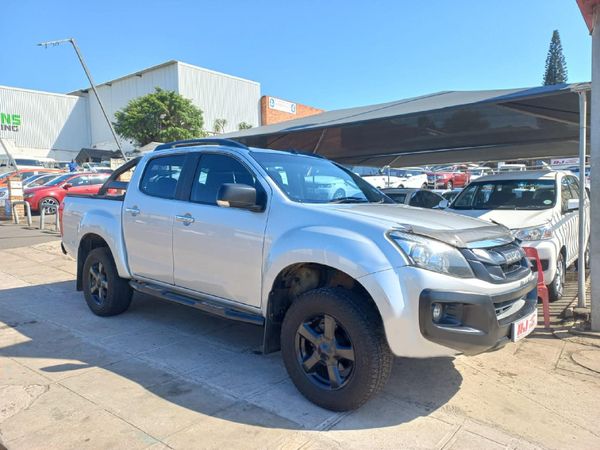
6,175
508,194
309,179
40,180
60,179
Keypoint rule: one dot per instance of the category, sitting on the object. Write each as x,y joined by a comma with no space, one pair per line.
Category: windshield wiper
349,200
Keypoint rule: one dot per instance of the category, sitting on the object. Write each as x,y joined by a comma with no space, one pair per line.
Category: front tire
48,203
557,287
106,294
334,348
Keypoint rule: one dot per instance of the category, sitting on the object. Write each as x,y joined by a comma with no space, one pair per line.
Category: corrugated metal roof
140,73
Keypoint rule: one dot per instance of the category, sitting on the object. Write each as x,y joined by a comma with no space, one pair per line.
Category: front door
219,250
148,215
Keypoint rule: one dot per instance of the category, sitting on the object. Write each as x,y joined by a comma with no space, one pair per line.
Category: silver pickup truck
340,278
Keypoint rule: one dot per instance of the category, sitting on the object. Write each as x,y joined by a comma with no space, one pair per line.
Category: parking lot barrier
46,210
27,210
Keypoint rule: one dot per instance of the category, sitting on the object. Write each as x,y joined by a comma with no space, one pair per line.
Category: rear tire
424,186
334,348
449,185
106,294
557,287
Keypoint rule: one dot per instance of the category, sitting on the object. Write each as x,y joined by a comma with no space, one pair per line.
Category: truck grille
500,264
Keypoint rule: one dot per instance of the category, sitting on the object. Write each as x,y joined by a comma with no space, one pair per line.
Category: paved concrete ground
13,236
164,376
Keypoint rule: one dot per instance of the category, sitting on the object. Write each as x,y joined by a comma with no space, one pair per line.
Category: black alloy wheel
325,351
98,283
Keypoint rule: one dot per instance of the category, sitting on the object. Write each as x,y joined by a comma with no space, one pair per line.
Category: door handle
187,219
134,210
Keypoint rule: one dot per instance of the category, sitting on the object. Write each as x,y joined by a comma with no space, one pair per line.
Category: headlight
3,194
432,255
28,195
534,233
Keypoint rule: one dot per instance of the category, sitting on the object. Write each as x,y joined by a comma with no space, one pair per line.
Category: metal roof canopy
444,127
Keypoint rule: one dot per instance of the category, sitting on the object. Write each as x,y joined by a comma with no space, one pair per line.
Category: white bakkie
541,209
340,283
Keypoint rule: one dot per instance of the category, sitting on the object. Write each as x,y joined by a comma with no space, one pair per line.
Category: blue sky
329,54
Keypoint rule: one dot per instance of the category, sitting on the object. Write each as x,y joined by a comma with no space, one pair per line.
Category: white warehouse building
45,124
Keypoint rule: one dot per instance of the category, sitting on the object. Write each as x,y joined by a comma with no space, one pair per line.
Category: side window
565,192
574,185
161,176
79,181
97,179
431,200
417,199
215,170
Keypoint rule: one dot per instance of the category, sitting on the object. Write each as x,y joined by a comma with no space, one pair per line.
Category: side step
207,305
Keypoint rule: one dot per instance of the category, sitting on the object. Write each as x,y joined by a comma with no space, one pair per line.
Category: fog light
437,311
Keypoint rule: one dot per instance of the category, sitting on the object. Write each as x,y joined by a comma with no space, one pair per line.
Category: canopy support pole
581,300
595,176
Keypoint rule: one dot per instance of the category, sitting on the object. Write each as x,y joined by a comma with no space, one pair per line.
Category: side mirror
232,195
67,186
572,204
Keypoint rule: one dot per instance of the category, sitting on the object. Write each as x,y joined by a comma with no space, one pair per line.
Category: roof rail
202,141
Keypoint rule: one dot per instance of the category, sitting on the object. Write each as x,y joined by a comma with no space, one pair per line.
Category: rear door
148,215
218,250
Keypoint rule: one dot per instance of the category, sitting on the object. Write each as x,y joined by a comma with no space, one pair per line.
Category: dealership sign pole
89,76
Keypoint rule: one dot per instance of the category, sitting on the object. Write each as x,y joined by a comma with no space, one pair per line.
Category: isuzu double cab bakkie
340,284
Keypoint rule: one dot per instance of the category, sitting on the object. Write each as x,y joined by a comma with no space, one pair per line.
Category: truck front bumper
482,322
474,323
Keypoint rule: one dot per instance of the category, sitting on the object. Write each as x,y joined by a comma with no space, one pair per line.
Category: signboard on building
10,122
282,105
564,162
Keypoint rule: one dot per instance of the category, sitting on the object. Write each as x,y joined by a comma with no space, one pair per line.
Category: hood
454,229
510,218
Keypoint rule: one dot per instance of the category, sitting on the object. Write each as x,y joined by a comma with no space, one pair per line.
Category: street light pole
92,84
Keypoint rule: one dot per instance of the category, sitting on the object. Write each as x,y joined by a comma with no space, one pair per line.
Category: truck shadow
186,357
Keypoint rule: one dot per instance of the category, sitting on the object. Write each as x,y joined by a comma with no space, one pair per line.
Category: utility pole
92,84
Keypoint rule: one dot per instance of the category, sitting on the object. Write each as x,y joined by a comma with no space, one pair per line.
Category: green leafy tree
161,116
556,65
219,126
244,126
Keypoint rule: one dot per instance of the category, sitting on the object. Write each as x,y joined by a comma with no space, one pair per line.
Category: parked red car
449,177
53,193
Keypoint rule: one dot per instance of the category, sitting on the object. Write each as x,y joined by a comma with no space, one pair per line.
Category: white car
411,177
478,172
372,175
540,207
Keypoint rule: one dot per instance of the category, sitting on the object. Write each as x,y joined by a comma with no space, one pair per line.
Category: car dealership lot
165,376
